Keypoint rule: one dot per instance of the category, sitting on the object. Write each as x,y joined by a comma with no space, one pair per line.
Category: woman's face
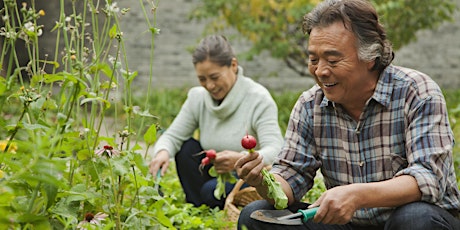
216,79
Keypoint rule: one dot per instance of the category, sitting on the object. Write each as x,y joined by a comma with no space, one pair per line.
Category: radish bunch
222,178
275,191
208,159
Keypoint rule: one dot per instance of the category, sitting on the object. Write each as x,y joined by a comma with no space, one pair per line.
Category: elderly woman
224,108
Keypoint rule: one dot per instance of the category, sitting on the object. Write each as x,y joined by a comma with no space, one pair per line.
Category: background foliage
275,25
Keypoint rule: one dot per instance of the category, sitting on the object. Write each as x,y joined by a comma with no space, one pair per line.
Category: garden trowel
157,183
284,217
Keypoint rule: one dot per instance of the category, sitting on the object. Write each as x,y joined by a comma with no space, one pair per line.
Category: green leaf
2,85
222,179
113,31
120,166
155,30
51,193
140,163
80,193
83,154
130,75
212,172
104,68
275,191
151,135
164,220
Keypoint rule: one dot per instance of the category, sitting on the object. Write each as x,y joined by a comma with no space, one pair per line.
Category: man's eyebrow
326,53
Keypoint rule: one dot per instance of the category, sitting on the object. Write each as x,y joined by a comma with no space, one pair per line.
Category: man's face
333,61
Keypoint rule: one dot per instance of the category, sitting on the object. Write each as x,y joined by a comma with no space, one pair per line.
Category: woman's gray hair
360,17
214,48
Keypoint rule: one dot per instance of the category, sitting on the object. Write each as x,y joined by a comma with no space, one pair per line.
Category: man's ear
372,65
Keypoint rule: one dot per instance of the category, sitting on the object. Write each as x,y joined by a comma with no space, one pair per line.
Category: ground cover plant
74,138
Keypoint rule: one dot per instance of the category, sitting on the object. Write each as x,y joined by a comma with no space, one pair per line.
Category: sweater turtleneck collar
232,100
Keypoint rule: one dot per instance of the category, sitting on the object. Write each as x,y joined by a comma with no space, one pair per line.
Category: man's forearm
390,193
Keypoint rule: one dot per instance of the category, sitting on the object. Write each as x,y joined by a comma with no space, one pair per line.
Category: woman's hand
225,161
160,161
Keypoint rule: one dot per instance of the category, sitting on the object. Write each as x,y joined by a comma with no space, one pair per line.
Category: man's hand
249,169
337,205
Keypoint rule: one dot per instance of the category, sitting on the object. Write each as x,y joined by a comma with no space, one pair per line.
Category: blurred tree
275,25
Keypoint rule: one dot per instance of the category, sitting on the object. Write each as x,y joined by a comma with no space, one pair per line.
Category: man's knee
417,215
245,219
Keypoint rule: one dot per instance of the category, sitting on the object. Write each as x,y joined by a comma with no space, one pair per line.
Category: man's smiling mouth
329,84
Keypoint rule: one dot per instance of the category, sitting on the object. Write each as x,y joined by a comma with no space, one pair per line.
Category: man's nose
322,69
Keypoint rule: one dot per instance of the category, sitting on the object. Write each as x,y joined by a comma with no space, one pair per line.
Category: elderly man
379,133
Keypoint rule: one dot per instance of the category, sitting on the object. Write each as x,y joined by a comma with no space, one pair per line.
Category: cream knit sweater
247,108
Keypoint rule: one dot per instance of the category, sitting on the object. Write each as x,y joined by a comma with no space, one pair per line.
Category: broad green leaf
120,166
104,102
140,163
83,154
164,220
51,193
151,135
113,31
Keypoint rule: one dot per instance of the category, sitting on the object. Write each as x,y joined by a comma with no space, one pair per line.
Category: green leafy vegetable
222,179
275,191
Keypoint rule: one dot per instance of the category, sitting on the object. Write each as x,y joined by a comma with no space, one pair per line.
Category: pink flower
91,219
107,151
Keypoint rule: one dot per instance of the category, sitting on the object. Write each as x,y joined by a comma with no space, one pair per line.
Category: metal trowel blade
273,216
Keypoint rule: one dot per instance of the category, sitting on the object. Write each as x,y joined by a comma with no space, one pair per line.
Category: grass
166,103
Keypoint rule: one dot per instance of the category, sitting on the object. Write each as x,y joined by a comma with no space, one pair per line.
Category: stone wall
172,64
436,52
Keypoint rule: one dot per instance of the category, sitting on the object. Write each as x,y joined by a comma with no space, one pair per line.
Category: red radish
205,161
211,154
248,142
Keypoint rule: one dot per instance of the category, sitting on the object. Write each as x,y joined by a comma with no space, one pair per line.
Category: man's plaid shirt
403,130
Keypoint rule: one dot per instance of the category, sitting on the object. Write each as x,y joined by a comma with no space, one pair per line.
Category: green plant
74,141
